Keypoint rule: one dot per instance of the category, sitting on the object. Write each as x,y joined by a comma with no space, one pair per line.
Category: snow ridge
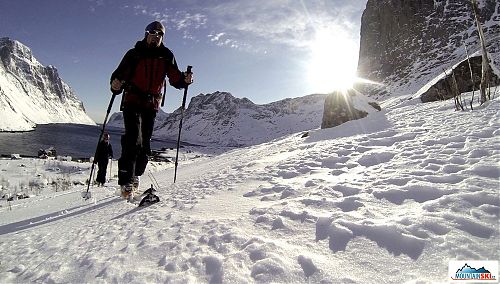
222,119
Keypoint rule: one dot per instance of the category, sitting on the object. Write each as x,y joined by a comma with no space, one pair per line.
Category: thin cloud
289,23
221,39
95,4
257,24
181,20
186,20
216,37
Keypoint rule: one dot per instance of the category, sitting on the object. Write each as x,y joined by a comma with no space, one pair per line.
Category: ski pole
93,177
180,125
86,195
110,169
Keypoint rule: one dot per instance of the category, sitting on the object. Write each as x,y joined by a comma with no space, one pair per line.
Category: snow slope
390,198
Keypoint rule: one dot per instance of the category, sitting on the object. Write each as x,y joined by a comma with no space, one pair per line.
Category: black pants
101,173
135,143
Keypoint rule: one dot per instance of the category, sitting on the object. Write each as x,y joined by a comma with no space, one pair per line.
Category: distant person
103,154
141,75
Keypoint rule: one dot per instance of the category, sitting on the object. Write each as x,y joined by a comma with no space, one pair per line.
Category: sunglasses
155,33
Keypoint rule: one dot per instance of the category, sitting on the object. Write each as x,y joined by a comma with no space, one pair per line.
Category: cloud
221,39
259,23
285,22
94,4
216,37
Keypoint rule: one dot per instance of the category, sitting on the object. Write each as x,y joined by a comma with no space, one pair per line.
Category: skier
103,154
141,75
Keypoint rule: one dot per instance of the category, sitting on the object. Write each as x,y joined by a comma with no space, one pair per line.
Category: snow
391,198
32,94
221,119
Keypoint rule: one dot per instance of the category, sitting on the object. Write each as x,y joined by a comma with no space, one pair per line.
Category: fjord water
75,140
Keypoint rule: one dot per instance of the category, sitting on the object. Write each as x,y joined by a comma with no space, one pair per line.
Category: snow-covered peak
15,48
222,119
31,93
217,100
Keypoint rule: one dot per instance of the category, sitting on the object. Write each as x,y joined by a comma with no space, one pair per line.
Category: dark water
75,140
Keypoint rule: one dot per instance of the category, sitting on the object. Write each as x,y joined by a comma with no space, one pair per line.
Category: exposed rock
442,90
343,107
406,43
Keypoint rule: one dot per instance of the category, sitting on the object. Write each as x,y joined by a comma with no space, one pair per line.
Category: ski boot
135,183
126,191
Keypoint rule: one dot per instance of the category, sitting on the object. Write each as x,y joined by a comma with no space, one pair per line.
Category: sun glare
333,61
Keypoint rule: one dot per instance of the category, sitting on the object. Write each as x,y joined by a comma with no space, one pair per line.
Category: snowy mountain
224,120
116,119
406,44
31,93
390,198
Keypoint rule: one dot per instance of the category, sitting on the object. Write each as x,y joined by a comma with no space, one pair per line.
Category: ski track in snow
413,187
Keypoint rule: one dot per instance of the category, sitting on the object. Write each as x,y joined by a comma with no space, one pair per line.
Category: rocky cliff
406,43
31,93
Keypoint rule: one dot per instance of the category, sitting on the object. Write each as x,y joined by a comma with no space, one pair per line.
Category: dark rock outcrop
442,90
342,107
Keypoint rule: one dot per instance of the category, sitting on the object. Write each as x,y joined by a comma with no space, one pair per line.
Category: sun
333,61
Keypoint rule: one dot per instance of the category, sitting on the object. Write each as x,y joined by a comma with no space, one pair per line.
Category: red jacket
143,69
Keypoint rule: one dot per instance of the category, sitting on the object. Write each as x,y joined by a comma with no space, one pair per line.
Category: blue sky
265,50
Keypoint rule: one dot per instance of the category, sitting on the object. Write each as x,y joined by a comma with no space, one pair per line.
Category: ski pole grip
189,69
117,92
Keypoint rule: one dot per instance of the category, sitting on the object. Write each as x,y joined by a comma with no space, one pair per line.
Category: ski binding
149,197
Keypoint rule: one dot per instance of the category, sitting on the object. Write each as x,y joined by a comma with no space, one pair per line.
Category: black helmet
155,26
